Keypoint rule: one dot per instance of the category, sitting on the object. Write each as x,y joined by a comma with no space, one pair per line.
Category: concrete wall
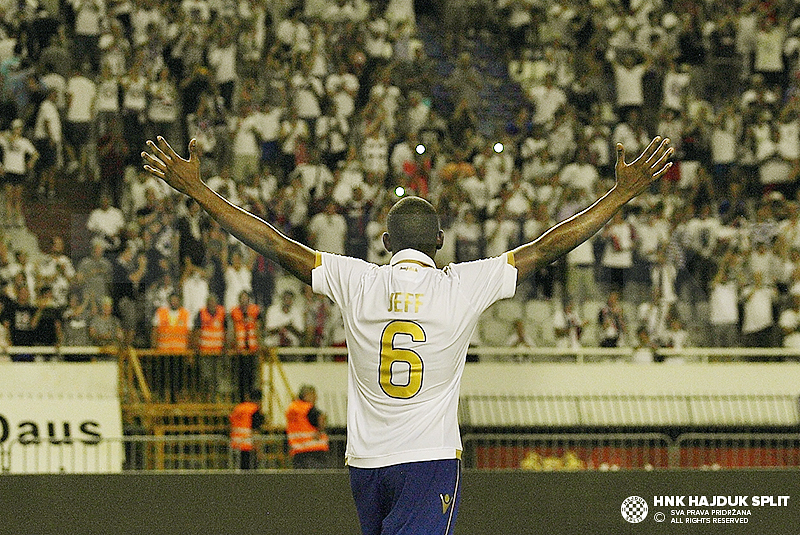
493,503
752,380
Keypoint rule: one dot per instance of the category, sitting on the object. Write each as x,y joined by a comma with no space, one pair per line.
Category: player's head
412,223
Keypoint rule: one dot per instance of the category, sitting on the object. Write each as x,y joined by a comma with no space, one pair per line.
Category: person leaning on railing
171,327
245,419
305,430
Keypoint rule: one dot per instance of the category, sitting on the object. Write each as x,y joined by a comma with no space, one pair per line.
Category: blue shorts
418,498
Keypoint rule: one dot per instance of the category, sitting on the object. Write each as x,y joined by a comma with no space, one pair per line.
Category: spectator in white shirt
768,59
580,173
403,152
789,322
107,99
724,309
107,222
675,84
19,158
788,132
284,323
294,133
196,11
631,131
222,57
757,316
547,99
81,92
332,132
246,150
292,35
89,18
501,233
342,88
375,151
194,286
145,15
268,121
628,77
327,230
617,258
496,168
724,144
568,326
54,263
238,278
518,195
316,178
418,112
47,138
162,110
134,107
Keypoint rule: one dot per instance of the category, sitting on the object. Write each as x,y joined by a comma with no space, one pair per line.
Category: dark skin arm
184,175
632,179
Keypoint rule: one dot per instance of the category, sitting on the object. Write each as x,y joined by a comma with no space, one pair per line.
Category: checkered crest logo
634,509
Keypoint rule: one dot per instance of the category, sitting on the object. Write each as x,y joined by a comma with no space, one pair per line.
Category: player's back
408,326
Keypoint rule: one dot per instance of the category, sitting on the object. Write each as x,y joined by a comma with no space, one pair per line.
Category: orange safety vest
242,426
303,437
172,335
212,330
244,327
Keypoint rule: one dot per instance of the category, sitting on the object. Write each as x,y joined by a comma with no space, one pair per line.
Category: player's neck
429,254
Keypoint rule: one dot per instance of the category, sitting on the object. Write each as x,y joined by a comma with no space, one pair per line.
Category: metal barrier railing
583,355
482,451
148,453
579,354
738,450
553,452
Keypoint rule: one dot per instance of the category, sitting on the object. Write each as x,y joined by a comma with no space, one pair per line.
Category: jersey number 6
391,355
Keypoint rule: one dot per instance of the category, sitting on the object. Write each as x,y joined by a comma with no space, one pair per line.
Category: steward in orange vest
246,328
245,419
210,332
171,327
245,318
305,429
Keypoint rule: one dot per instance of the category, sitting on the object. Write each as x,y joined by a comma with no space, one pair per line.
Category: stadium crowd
317,115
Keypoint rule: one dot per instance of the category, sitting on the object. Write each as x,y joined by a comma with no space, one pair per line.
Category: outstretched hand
633,178
164,163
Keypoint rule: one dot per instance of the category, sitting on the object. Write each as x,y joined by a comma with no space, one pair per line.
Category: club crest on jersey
446,502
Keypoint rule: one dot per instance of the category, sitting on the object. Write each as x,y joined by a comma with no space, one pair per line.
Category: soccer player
408,326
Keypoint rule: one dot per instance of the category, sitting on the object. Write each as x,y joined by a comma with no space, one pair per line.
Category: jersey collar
412,256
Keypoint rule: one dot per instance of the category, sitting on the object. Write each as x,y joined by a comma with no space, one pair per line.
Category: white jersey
408,326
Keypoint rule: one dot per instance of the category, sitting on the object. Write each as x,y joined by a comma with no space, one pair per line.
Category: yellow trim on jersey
510,258
458,454
411,261
317,259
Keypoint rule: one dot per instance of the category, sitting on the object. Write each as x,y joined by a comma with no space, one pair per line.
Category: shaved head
412,223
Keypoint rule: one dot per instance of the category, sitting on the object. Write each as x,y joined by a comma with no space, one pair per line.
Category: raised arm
632,179
184,175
